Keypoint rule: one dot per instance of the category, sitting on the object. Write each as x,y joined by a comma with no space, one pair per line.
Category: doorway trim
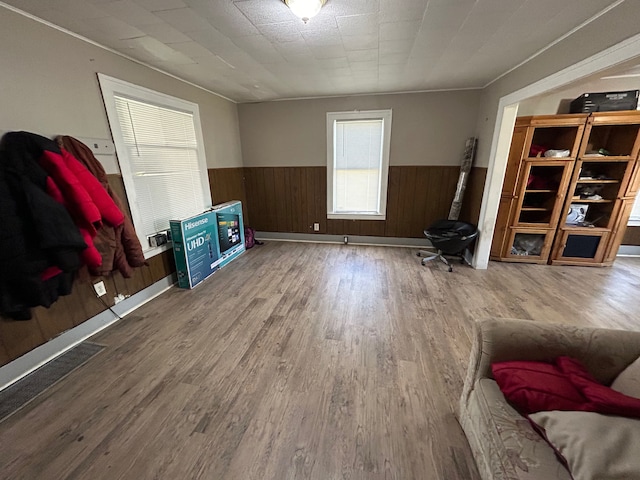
505,121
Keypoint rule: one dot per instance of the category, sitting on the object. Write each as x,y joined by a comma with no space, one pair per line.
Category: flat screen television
228,231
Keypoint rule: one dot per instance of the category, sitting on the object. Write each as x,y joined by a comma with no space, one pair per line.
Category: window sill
153,251
356,216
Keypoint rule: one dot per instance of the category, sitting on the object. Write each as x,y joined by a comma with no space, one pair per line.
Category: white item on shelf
557,153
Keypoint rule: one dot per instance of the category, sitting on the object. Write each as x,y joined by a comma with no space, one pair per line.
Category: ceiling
257,50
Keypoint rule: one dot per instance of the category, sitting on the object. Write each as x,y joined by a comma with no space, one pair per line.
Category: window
358,164
634,219
158,140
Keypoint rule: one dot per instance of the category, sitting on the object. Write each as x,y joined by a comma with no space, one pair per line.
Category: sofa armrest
604,352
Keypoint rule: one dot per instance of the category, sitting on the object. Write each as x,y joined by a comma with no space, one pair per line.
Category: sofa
504,443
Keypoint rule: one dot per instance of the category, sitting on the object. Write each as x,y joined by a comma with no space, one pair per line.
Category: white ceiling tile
119,29
77,9
332,51
158,5
399,30
327,38
360,42
358,24
260,50
224,16
131,13
302,60
184,19
351,7
164,33
213,40
333,63
160,51
363,66
293,48
341,72
363,55
281,32
191,49
394,11
321,23
394,58
396,46
351,46
261,12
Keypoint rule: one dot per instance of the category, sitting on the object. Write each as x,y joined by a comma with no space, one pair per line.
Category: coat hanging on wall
119,247
52,208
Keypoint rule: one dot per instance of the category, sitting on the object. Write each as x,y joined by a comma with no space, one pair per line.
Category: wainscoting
292,199
19,337
631,236
274,199
228,184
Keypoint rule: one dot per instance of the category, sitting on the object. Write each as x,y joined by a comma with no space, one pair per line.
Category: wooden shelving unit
606,176
535,187
596,182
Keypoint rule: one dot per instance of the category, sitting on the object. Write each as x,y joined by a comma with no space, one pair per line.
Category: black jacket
37,234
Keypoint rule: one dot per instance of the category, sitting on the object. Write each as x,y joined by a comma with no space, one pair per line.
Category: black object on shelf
605,102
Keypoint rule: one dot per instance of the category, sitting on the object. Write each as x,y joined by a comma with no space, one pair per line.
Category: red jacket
71,184
119,247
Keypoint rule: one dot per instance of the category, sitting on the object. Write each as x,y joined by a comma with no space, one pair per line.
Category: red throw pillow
604,399
537,386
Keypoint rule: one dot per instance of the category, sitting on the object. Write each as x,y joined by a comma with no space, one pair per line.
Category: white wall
48,85
613,27
558,101
427,128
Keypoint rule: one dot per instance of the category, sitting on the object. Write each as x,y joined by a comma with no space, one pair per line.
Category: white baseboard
351,239
27,363
629,251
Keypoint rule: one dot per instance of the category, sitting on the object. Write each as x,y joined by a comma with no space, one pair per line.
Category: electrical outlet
99,146
100,289
316,227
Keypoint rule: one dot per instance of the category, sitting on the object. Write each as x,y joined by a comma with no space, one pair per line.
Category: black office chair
450,238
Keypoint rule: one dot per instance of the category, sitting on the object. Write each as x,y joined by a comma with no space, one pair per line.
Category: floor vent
16,396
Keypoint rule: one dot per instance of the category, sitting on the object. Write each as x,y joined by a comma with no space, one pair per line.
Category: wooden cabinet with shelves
535,186
598,189
569,209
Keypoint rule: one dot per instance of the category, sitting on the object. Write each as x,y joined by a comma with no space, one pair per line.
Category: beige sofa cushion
517,450
628,382
595,446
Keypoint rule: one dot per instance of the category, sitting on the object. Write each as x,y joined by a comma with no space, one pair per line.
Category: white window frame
111,87
634,219
332,118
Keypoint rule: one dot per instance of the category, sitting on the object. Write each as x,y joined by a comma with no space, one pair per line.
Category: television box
605,102
195,248
230,231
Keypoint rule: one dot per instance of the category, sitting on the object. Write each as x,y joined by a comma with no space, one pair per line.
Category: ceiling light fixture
305,9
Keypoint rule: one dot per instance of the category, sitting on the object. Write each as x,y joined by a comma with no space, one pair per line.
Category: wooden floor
297,361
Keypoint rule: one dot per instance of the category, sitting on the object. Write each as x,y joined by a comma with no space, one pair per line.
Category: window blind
357,166
162,153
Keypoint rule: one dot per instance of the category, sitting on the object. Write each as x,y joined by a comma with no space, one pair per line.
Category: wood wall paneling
472,201
631,236
19,337
228,184
292,199
4,355
117,187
